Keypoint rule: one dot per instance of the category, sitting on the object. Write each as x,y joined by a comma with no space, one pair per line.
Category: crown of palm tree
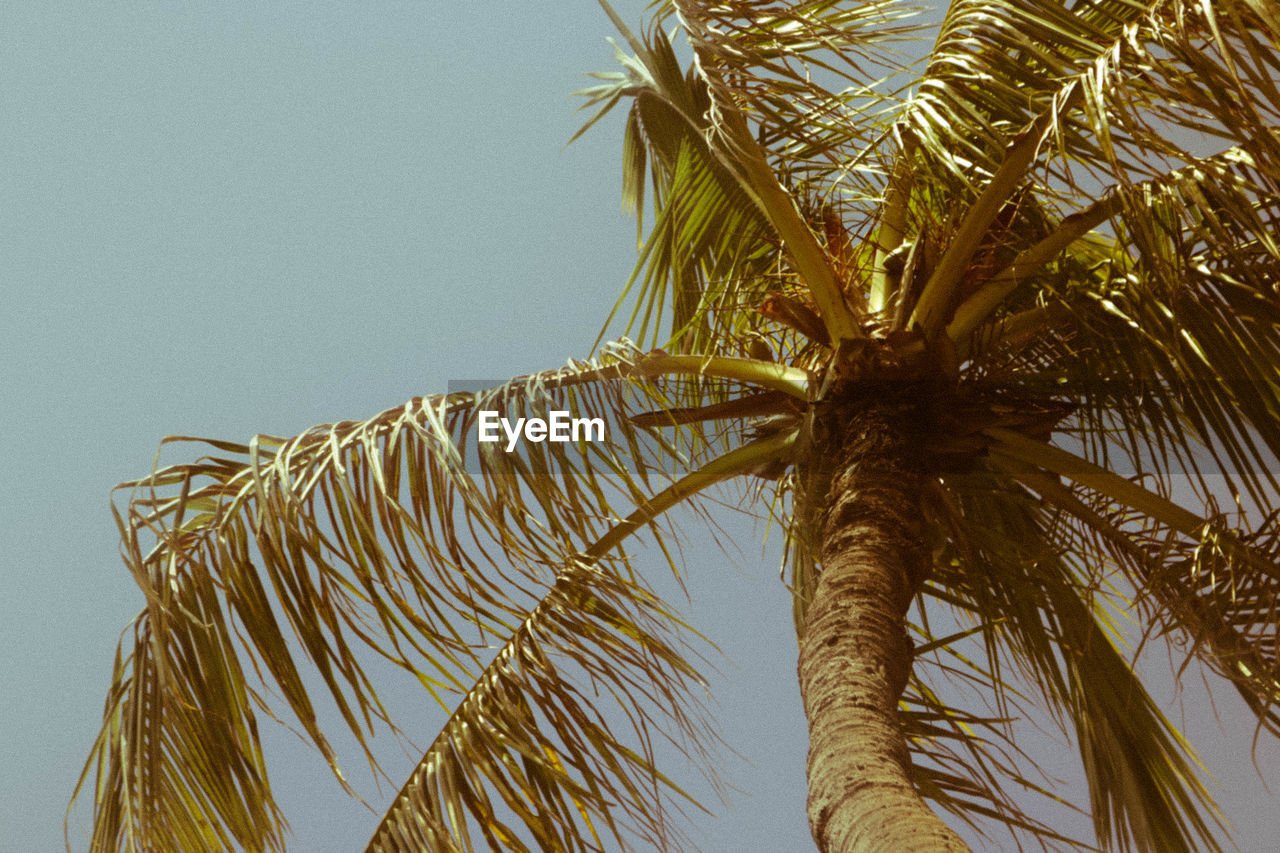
1047,250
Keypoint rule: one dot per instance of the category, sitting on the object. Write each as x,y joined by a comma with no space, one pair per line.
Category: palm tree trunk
855,654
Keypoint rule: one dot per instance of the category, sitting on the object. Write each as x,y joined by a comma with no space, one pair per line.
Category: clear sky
219,219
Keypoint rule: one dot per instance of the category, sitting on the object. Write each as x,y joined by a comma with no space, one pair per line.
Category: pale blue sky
226,218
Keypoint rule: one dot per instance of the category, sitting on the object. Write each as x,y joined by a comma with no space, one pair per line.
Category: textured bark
855,655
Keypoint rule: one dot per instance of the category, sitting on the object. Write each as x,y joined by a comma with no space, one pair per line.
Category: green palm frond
607,627
1216,585
1217,588
496,763
378,535
969,764
707,230
1132,75
996,66
1156,77
727,231
1047,619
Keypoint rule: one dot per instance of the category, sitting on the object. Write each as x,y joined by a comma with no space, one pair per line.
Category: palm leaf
609,629
376,536
1219,586
1045,618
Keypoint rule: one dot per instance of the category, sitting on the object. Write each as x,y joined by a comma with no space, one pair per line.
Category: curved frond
708,237
727,230
405,536
996,66
970,765
555,778
529,759
1010,563
1216,585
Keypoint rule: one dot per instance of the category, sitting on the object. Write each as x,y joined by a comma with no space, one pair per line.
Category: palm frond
996,66
709,245
1215,585
727,231
404,536
971,765
611,630
530,754
1004,562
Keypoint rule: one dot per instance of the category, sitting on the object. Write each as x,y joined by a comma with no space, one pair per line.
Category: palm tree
978,329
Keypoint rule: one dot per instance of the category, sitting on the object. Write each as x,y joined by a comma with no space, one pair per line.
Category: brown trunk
855,654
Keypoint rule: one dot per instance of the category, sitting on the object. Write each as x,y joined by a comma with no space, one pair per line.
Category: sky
222,219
